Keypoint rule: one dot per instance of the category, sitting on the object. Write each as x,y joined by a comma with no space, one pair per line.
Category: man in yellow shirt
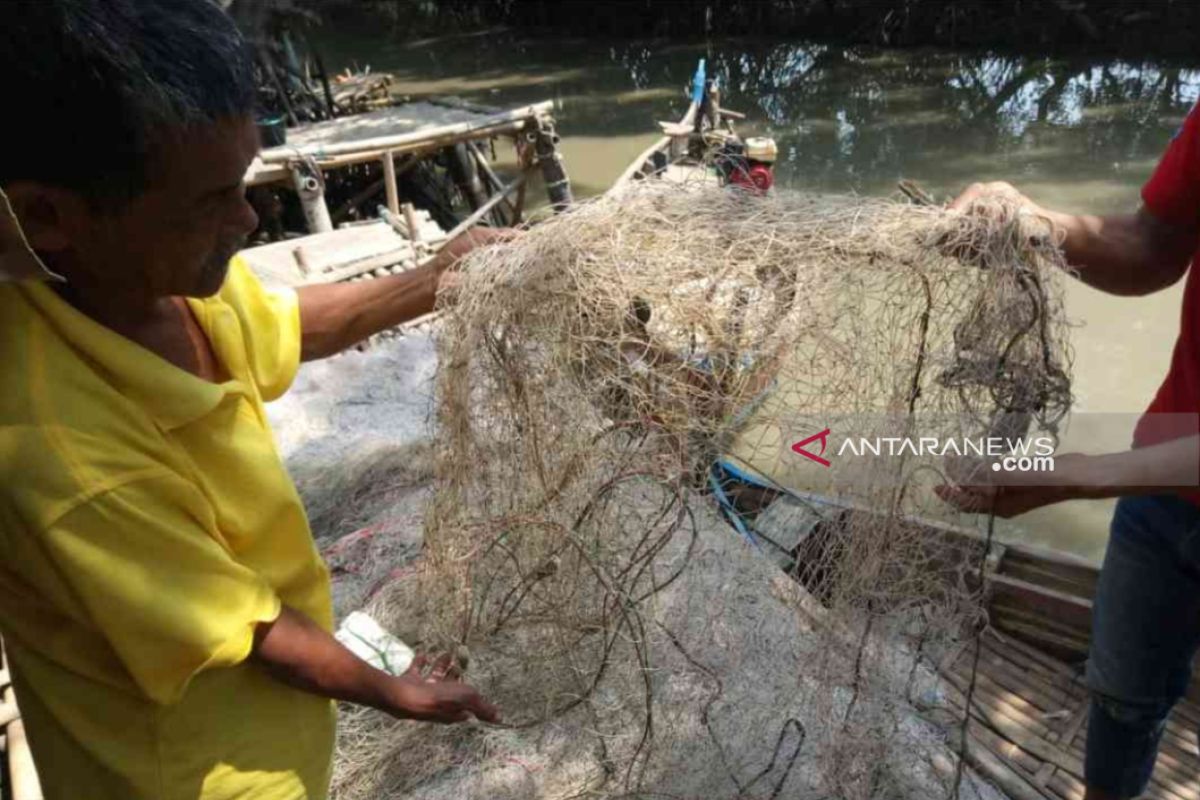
166,613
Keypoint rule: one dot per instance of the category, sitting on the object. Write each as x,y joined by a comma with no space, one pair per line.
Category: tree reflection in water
861,117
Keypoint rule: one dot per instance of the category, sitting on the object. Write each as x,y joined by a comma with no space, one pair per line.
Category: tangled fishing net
600,379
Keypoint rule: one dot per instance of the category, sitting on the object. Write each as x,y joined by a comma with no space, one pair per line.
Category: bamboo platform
1028,722
1029,711
374,249
416,127
1030,705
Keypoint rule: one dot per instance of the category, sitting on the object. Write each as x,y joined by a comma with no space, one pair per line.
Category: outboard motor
748,164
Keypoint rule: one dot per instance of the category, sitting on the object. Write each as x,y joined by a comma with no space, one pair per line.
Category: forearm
298,652
335,316
1120,254
1168,468
1163,468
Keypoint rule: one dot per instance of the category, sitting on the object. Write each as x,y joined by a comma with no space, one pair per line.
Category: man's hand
979,490
995,189
1122,254
457,248
1171,467
433,691
334,316
298,652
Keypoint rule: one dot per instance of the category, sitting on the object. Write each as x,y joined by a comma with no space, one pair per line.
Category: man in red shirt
1146,618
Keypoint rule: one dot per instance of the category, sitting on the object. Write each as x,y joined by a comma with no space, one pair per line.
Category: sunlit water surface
1073,134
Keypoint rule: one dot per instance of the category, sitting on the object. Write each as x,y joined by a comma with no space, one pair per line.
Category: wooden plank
1033,553
1063,608
1030,658
1043,573
1025,628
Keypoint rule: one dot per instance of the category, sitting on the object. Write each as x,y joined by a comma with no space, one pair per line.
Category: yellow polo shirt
146,525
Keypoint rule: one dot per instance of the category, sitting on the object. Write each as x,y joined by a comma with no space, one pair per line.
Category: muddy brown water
1074,134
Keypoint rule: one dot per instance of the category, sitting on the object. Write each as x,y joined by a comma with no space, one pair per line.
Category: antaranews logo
1032,454
823,438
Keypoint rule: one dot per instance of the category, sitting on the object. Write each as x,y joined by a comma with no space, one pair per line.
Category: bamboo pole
982,754
495,181
410,219
472,220
389,182
554,175
1067,786
396,256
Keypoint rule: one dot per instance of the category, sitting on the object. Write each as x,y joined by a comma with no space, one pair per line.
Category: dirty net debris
591,374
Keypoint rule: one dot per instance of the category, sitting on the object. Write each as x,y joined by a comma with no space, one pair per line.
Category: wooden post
414,229
465,173
713,112
495,185
410,219
310,186
389,183
558,185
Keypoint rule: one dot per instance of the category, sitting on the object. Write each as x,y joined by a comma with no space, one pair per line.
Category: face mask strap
18,262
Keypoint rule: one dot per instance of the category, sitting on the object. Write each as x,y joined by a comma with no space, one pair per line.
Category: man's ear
49,216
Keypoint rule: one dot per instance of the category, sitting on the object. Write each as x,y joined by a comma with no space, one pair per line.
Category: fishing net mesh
600,380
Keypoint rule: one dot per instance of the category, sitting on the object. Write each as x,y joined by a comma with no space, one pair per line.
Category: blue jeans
1145,629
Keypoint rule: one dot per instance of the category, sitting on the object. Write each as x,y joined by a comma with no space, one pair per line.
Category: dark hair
89,82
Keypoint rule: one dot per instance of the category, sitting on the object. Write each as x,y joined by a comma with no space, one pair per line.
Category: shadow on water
1075,133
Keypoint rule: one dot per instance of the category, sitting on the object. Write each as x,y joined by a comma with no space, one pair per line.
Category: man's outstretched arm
1167,468
298,652
1124,254
335,316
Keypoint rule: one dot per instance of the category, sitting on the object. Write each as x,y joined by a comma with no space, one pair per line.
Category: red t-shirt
1173,195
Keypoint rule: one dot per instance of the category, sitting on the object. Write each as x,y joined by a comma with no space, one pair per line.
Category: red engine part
757,177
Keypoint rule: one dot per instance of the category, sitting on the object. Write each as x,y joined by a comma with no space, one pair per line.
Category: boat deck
1029,718
1029,708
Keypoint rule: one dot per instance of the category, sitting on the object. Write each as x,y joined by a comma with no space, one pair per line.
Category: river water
1074,134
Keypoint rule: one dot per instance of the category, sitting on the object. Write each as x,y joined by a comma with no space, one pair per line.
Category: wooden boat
1028,716
1030,704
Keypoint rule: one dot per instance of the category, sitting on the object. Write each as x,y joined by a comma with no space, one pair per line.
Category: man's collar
173,396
